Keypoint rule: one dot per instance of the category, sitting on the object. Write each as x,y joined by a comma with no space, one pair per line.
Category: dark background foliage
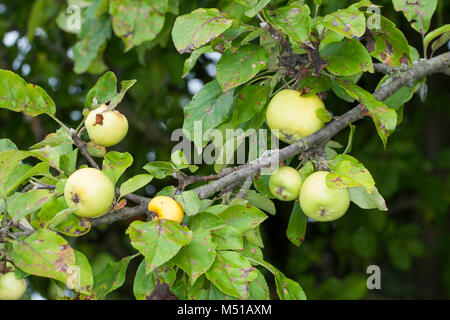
410,242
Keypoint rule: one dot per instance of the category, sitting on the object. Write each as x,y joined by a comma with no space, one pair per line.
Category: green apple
321,202
90,191
285,183
293,115
11,287
106,128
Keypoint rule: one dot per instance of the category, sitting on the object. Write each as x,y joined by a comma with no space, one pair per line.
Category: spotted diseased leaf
52,155
19,96
237,66
86,279
349,22
296,229
205,221
158,240
95,31
243,217
250,101
311,85
144,284
258,200
295,21
385,118
366,200
347,57
259,290
46,254
137,21
195,29
115,163
102,91
208,108
232,273
255,6
261,183
72,225
287,289
228,238
196,257
28,202
386,43
349,172
417,12
111,278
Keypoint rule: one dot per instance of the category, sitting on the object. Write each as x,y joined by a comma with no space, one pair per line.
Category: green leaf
242,217
287,289
52,155
236,67
311,85
418,12
349,172
205,221
193,30
347,57
115,164
209,108
6,144
253,236
228,238
135,183
60,217
72,226
9,160
46,254
232,273
111,278
19,96
158,240
385,118
258,200
296,229
258,288
159,169
102,92
435,33
250,101
68,162
324,115
40,12
85,281
261,183
23,172
190,202
144,283
60,137
366,200
95,31
349,22
293,21
256,7
442,40
386,43
137,21
29,202
306,170
190,62
196,257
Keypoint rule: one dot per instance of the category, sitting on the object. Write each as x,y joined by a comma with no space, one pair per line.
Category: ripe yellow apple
106,128
166,208
285,183
11,288
320,202
293,115
90,191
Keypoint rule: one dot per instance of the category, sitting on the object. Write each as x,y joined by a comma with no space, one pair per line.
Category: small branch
244,188
121,214
81,145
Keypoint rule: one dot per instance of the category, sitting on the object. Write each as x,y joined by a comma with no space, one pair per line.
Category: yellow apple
293,115
320,202
166,208
285,183
11,287
106,128
90,191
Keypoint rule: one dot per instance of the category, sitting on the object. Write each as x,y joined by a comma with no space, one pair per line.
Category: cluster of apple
90,190
295,117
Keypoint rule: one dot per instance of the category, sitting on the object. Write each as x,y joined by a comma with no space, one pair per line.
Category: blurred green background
410,243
